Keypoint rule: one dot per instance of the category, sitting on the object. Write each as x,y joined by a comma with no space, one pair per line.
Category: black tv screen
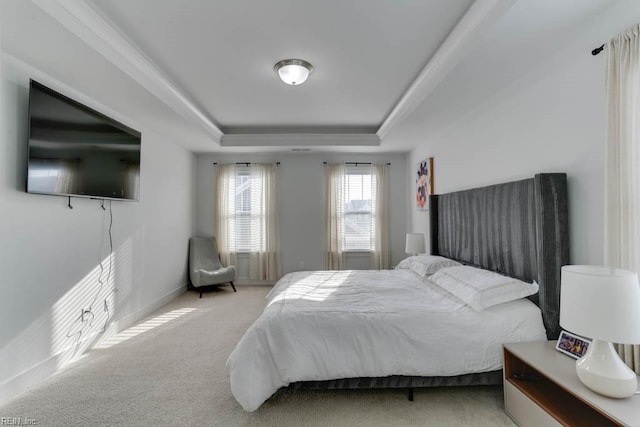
77,151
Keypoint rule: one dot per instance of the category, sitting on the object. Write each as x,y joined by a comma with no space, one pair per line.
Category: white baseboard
21,382
130,319
36,374
41,371
243,282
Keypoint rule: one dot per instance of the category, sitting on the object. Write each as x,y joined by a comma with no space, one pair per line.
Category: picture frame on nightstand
572,345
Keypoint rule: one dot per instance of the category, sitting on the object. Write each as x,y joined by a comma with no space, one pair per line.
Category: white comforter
325,325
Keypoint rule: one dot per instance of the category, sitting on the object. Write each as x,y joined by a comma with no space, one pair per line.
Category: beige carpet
170,370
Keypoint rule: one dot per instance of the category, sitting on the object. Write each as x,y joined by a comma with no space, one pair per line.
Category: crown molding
475,23
101,35
302,129
105,38
299,140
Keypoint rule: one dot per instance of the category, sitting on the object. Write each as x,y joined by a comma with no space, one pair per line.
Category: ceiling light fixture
293,72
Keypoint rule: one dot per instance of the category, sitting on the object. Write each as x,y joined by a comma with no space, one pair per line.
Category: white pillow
425,265
481,288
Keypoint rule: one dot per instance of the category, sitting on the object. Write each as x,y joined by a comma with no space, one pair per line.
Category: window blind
359,209
243,212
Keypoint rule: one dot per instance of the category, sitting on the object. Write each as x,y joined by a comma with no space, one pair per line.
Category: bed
401,328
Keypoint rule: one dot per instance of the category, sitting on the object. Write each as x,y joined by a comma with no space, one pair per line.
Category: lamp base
602,370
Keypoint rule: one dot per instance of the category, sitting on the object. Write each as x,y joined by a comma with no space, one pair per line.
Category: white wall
551,119
553,123
50,255
302,204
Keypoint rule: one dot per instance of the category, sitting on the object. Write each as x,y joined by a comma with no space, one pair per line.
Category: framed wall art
424,183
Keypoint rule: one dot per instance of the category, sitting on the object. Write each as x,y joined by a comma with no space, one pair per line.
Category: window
357,213
246,217
359,209
242,234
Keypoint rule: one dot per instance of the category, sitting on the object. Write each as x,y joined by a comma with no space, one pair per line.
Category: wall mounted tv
77,151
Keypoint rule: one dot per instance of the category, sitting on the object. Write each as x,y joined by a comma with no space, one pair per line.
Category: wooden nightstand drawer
541,388
523,410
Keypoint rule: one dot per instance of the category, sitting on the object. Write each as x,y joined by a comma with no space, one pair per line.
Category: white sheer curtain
225,213
357,213
622,162
248,224
264,256
335,188
380,220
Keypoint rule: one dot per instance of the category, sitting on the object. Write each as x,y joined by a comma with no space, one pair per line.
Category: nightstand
541,388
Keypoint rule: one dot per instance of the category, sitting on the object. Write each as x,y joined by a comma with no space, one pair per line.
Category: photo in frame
572,345
424,183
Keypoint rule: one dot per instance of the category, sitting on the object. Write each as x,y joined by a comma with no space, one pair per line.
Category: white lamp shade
601,303
414,243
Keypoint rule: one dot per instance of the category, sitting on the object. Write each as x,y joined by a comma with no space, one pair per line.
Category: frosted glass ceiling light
293,72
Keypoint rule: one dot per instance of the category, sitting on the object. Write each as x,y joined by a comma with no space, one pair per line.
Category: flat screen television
77,151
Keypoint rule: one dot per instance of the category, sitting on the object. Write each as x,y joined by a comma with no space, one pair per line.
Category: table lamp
414,244
602,303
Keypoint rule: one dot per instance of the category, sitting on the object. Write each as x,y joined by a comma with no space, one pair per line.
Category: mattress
325,325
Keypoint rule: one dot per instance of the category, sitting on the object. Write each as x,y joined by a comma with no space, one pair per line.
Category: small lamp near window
602,303
414,244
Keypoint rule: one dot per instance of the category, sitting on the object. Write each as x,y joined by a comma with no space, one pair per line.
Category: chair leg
200,294
234,288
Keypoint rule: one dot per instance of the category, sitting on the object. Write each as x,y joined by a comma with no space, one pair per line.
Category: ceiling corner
475,23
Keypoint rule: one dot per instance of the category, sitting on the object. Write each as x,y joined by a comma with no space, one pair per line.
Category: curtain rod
597,50
357,163
244,163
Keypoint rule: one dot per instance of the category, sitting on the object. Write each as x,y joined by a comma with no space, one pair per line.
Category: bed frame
519,229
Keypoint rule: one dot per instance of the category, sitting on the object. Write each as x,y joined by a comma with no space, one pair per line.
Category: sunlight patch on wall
63,333
84,311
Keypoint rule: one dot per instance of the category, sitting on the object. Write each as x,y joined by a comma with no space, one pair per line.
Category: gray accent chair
205,268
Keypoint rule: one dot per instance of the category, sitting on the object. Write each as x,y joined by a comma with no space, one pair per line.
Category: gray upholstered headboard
519,229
